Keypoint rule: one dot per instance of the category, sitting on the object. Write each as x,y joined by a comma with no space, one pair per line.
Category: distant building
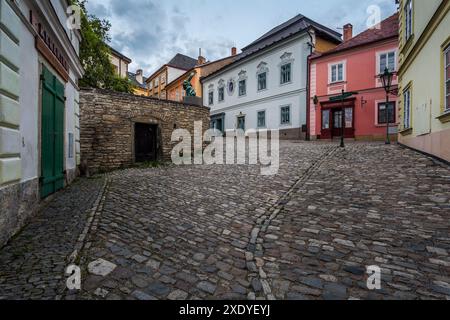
354,66
139,82
120,62
202,69
265,87
424,75
176,67
39,107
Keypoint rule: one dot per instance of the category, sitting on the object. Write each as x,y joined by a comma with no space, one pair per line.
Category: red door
332,123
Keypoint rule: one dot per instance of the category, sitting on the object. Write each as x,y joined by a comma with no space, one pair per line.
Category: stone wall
107,126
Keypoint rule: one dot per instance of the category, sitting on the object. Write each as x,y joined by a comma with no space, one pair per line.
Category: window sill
337,83
406,132
407,44
445,117
262,90
383,125
285,84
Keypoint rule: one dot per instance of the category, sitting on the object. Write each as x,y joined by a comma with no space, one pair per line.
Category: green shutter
52,146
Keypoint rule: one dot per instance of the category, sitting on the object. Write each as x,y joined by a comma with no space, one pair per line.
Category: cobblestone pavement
32,264
227,232
366,205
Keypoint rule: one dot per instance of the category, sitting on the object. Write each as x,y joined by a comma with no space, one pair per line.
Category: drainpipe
308,87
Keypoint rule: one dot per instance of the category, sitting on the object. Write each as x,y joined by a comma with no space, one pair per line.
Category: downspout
308,87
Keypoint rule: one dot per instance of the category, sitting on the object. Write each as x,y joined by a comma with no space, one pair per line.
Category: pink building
355,65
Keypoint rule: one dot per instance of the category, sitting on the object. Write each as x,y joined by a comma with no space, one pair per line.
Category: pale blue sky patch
151,32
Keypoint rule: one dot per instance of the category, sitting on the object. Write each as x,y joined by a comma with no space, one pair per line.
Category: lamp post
341,98
386,79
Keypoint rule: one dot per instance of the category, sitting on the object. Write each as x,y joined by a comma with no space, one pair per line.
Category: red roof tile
389,29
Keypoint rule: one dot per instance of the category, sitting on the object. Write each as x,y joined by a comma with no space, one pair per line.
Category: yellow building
139,82
175,90
176,67
424,75
120,62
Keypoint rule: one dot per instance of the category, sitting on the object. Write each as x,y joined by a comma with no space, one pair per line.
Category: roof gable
180,61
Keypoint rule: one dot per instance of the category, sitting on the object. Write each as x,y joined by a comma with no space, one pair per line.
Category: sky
151,32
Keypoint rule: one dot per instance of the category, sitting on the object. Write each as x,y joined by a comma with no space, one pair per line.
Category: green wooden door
52,146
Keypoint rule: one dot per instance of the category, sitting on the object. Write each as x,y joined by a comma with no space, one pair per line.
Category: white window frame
387,52
257,81
290,115
407,108
211,95
446,80
265,119
245,87
409,19
330,72
221,88
290,73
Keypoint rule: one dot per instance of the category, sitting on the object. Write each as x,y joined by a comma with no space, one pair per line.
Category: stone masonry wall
107,126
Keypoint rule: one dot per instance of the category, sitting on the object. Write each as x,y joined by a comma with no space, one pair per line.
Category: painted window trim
408,89
265,119
377,113
290,115
257,81
409,36
291,80
239,88
344,71
380,53
446,78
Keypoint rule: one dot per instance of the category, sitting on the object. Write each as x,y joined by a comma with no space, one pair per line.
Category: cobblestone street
227,232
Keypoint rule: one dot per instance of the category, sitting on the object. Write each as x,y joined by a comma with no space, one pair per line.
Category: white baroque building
39,113
266,87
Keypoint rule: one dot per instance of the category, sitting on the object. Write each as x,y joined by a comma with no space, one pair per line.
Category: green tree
95,54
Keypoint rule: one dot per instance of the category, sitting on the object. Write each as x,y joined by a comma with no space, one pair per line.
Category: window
387,60
407,108
408,19
286,73
262,81
337,72
326,119
286,115
221,94
242,88
447,78
261,119
211,98
382,113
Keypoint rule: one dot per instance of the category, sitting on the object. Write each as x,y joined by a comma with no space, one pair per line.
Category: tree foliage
95,54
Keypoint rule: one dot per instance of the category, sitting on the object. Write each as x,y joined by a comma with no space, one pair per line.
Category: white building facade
266,87
39,113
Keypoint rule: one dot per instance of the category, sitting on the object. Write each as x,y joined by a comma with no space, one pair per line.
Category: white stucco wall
173,73
29,104
270,100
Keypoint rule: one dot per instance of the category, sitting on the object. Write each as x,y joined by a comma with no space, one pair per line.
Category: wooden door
145,142
52,134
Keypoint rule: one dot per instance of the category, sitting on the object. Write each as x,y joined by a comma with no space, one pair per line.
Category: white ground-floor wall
272,107
20,122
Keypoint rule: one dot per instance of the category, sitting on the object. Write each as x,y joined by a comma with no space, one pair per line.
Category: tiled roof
293,26
290,28
180,61
388,29
132,78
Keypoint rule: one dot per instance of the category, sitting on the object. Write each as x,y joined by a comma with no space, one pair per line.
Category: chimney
201,59
140,76
233,51
348,32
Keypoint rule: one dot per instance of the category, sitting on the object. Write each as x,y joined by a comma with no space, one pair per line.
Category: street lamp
386,79
341,98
